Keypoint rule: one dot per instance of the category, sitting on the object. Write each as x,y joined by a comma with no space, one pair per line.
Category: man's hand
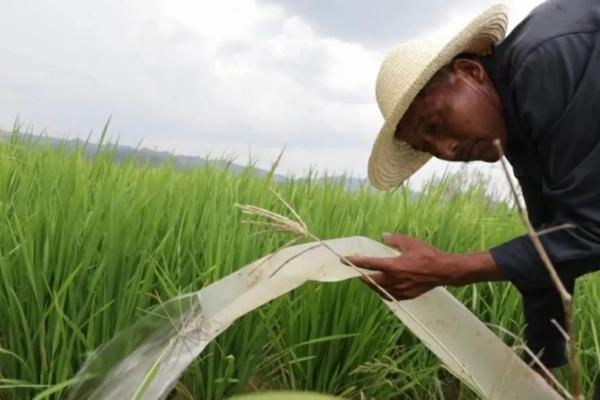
421,267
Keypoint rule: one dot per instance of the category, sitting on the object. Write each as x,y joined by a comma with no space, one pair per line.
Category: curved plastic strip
146,360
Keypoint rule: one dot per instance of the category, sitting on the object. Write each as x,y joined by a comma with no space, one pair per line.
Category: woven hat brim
392,161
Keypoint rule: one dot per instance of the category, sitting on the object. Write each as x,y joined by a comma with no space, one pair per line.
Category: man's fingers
375,281
381,289
400,242
372,263
404,291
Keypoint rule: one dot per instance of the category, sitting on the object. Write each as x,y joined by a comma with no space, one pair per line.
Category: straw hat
403,73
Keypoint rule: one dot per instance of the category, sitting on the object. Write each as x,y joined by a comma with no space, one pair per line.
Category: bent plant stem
299,227
565,296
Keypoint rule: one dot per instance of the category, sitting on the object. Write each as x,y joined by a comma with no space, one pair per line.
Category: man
537,91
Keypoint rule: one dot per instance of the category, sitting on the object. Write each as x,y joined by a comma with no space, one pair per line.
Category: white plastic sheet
146,360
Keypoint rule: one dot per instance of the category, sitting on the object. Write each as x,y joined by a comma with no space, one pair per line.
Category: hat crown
399,71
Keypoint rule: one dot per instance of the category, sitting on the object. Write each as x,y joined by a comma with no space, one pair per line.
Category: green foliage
284,396
86,247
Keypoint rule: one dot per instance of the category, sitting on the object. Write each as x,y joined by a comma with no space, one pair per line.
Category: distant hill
157,158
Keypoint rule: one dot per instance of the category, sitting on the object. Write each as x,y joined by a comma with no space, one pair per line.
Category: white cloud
196,77
458,15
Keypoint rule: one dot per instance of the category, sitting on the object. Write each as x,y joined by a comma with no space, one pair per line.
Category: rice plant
88,246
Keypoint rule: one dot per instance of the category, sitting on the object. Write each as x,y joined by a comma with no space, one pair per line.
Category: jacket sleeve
557,94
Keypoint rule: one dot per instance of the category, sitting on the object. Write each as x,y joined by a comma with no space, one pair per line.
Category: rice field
87,246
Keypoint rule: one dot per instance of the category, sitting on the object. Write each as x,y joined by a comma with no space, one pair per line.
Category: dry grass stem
565,296
560,329
554,229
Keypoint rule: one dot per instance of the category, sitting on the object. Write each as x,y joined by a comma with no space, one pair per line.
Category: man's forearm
471,268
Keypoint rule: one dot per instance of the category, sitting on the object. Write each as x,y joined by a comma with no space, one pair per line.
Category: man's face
457,116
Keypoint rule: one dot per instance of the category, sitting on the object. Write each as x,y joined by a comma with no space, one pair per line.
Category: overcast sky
227,77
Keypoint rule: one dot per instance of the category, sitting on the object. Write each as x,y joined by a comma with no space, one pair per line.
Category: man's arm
421,267
473,268
557,95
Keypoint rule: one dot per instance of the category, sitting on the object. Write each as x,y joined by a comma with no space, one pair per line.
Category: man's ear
472,69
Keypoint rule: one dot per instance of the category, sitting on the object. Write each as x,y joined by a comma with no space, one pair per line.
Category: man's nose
446,150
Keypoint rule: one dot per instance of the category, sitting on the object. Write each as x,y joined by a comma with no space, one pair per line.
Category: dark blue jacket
547,74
